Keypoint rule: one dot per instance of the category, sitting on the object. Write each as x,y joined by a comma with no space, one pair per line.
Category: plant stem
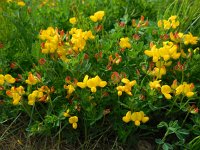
163,139
185,118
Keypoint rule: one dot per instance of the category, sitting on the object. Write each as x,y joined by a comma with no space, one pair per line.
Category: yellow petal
119,93
102,83
167,96
93,89
145,119
189,94
74,125
134,116
126,119
81,85
137,123
93,18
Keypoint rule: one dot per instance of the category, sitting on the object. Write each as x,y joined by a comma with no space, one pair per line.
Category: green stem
185,118
172,106
163,139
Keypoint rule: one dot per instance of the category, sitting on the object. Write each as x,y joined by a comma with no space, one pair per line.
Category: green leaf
162,124
183,131
159,141
167,146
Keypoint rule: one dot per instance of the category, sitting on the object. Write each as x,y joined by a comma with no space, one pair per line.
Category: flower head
73,120
92,83
97,16
124,43
8,78
32,80
16,93
73,20
127,118
127,87
21,3
155,84
190,39
166,90
136,117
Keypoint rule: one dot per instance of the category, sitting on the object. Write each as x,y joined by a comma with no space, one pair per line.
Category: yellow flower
185,89
32,80
31,99
165,89
84,83
9,78
120,89
92,83
99,82
190,39
34,96
137,117
16,94
174,85
73,120
155,84
93,18
159,72
167,24
154,52
66,114
176,37
188,89
21,3
170,23
160,23
126,88
73,20
97,16
1,79
124,43
70,89
16,98
127,118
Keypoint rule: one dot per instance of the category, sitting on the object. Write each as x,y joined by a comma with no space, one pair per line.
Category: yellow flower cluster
170,23
7,78
190,39
16,93
124,43
162,56
127,87
136,117
52,40
79,38
185,89
53,43
72,119
41,95
183,38
92,83
32,80
169,50
98,16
